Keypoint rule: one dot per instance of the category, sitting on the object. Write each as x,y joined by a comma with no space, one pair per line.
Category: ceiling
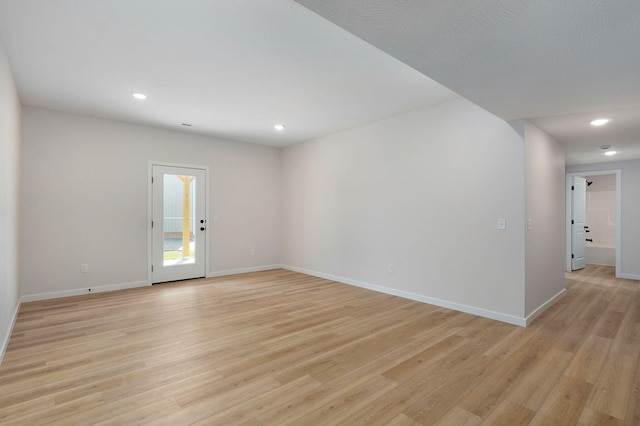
231,69
559,63
235,68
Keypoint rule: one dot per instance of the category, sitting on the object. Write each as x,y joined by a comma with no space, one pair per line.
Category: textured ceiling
560,61
234,68
231,69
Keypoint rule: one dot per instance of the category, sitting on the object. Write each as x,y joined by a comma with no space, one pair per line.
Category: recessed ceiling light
611,153
279,127
138,95
599,122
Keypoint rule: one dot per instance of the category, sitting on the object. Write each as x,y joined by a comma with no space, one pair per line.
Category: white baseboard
81,291
510,319
5,339
243,270
113,287
629,276
545,306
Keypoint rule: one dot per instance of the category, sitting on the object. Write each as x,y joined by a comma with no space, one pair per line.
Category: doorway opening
602,219
178,212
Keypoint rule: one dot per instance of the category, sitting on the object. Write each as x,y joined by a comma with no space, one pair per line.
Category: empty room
319,212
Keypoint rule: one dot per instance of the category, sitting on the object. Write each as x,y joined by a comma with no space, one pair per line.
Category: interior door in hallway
578,221
178,223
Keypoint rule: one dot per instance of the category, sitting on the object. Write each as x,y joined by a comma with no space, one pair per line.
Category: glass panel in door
179,223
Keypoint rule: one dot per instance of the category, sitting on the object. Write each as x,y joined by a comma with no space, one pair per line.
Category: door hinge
573,188
151,179
572,256
152,266
152,223
571,223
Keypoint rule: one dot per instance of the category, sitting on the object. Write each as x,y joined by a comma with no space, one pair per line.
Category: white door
578,219
178,223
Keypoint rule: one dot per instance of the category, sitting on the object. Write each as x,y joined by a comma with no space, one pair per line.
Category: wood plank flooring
279,348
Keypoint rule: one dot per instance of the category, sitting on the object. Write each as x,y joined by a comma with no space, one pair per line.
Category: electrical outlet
253,252
84,268
391,268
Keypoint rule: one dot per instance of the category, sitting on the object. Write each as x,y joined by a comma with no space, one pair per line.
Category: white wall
601,216
9,204
422,191
601,212
545,208
84,200
629,212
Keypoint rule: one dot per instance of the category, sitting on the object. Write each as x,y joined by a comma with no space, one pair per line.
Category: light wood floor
279,348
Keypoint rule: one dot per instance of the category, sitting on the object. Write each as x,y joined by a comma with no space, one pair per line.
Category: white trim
545,306
568,206
135,284
244,270
5,341
150,165
510,319
628,276
149,220
618,173
618,222
81,291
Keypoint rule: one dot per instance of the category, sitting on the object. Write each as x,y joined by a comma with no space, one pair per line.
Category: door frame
618,173
578,227
150,212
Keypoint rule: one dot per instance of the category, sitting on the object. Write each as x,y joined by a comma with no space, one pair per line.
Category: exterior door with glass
178,225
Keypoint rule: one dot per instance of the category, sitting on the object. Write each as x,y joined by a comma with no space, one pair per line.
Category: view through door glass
179,223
